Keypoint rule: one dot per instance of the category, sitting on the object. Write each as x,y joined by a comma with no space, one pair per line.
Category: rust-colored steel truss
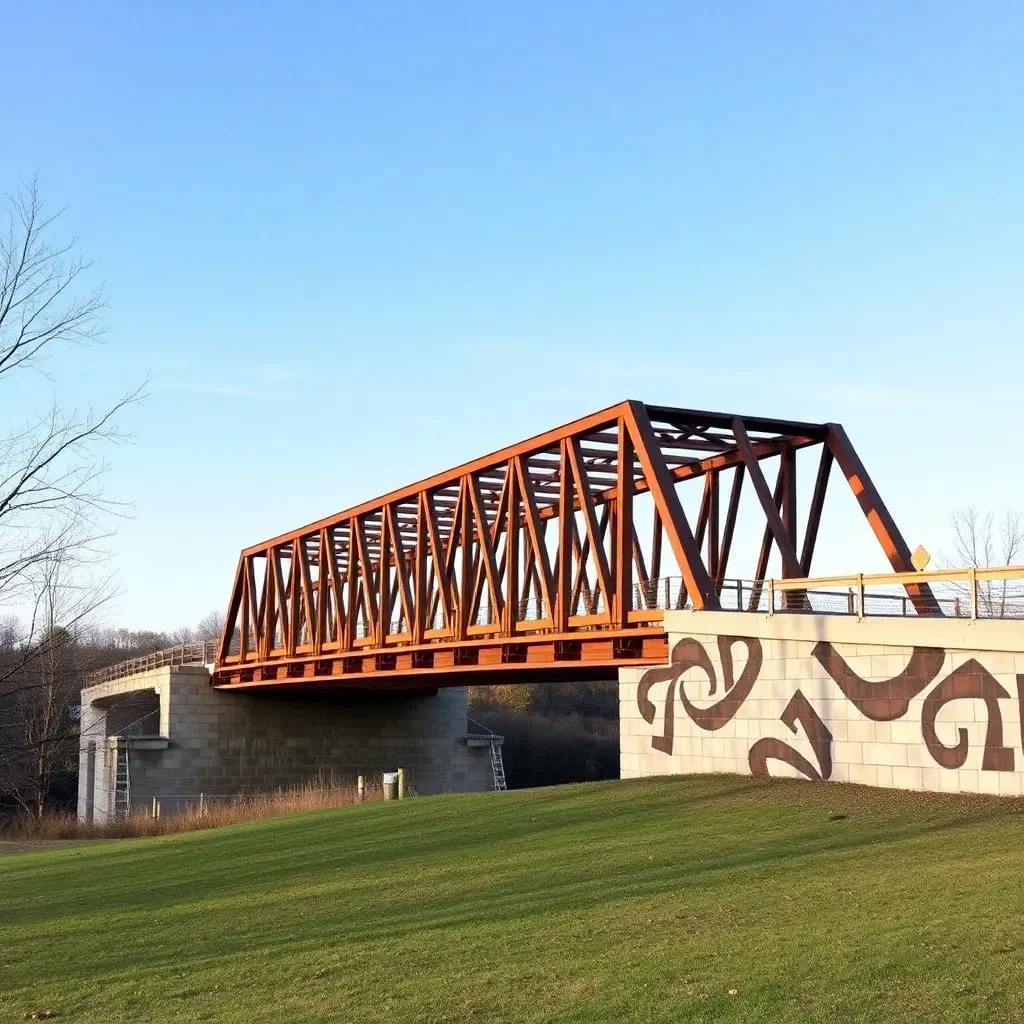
531,558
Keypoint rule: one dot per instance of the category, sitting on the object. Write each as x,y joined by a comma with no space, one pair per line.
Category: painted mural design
690,653
881,701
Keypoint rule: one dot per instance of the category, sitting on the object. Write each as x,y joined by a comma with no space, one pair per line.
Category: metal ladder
122,782
497,765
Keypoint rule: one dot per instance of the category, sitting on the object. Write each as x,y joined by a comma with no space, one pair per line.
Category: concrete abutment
184,737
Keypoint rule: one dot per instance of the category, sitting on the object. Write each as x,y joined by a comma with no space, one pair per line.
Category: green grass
635,901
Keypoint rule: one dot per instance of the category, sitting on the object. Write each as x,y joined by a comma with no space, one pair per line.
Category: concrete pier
183,738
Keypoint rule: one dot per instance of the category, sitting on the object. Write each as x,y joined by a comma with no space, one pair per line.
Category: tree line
553,732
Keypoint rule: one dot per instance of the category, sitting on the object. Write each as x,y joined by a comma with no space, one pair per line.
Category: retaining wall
910,703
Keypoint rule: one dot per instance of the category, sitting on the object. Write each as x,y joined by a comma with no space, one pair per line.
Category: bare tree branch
38,308
981,540
54,513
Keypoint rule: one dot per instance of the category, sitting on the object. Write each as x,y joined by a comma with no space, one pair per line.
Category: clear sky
355,243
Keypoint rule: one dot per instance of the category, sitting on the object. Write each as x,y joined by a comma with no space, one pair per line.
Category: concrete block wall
912,704
220,743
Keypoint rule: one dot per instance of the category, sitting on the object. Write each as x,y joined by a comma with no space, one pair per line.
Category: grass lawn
697,899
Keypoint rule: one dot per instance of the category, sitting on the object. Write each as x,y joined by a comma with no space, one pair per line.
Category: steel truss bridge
554,558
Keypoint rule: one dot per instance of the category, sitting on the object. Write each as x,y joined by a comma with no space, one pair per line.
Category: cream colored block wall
863,733
223,742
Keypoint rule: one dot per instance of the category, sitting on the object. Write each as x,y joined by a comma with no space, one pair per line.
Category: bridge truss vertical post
623,544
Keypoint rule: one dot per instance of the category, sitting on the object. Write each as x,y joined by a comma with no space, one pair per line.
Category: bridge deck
548,556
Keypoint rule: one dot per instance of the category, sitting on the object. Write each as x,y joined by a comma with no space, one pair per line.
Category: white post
401,783
771,596
972,574
361,787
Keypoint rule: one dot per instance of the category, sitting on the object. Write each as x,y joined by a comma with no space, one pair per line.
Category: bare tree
10,633
981,540
39,729
51,496
54,513
210,626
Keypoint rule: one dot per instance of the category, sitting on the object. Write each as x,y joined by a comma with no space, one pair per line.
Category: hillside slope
642,901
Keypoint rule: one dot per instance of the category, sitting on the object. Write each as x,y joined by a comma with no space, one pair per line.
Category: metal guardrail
990,573
994,592
184,654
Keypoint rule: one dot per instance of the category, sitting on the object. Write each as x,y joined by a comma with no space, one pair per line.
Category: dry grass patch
310,796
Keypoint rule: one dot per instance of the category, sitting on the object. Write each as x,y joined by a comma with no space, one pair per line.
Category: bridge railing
184,654
984,593
995,592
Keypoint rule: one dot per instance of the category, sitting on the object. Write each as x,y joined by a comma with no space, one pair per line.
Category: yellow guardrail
857,586
1006,572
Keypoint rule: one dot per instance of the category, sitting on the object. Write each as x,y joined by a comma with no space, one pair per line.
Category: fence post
860,595
361,787
972,575
771,596
401,783
739,595
154,809
202,806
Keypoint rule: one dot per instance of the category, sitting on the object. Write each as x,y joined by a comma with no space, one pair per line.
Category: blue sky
352,244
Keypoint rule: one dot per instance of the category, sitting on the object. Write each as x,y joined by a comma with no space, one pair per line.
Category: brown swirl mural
888,700
880,701
798,710
690,653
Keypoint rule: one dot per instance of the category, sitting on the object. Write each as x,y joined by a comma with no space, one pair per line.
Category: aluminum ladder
122,781
497,765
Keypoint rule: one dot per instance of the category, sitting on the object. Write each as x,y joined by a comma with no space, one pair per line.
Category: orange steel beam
457,575
802,433
877,515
